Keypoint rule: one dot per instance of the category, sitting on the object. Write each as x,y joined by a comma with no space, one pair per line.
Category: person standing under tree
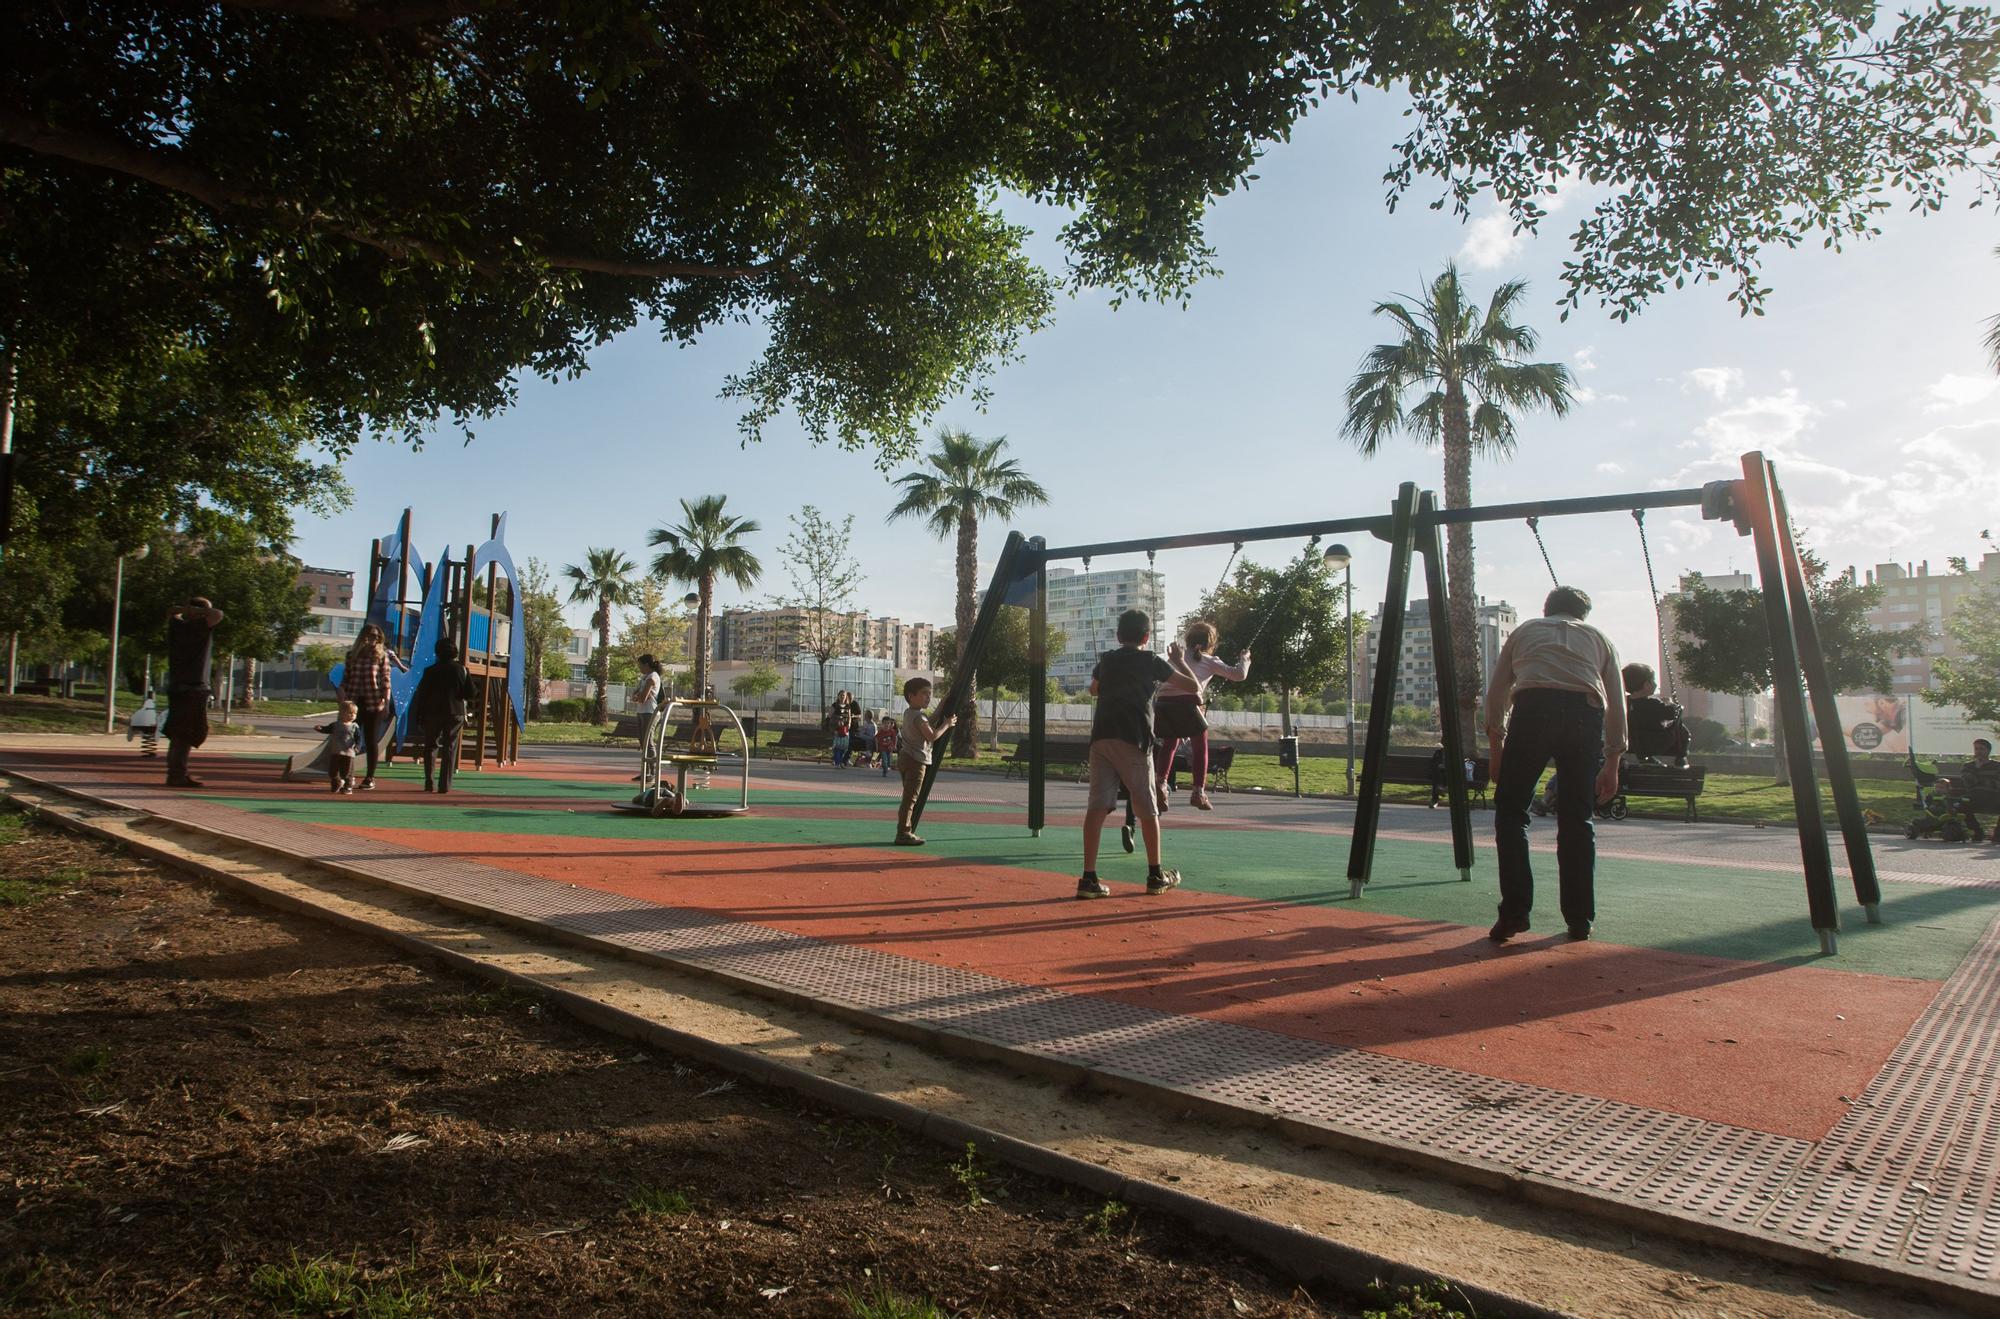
190,646
1560,677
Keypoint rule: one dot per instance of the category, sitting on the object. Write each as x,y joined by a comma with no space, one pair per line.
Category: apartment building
1084,607
330,588
1417,667
776,635
1912,593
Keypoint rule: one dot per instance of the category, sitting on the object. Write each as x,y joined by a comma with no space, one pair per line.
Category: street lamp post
111,670
1337,557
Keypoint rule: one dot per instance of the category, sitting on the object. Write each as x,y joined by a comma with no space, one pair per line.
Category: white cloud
1611,469
1715,380
1490,241
1950,392
1582,358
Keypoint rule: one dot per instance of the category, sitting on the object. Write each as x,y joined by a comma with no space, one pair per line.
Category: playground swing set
1412,528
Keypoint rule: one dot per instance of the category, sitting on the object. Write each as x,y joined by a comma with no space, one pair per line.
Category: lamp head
1336,557
691,599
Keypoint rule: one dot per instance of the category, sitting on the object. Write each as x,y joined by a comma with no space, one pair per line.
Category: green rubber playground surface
1671,905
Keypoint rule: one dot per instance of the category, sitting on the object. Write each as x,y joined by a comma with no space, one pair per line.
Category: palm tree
606,579
1468,373
966,480
706,545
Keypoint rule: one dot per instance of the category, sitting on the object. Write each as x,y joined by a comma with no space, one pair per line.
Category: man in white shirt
1559,676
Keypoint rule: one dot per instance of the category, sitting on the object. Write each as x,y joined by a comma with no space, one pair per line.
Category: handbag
1173,719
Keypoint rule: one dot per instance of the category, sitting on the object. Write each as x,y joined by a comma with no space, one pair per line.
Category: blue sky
1865,381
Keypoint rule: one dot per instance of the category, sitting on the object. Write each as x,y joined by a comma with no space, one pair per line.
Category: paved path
1697,1061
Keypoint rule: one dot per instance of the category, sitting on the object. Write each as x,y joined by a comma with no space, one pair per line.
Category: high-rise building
1416,669
1913,594
1084,607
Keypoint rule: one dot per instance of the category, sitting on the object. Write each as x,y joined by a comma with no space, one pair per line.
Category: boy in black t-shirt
1121,744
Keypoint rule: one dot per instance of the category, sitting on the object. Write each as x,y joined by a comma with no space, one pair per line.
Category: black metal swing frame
1412,527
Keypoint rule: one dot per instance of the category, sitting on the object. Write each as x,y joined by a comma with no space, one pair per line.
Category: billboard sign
1896,725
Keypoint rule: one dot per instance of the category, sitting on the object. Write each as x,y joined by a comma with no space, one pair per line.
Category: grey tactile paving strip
1907,1179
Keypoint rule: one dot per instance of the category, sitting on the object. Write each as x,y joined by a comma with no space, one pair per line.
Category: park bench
806,739
1643,780
1420,771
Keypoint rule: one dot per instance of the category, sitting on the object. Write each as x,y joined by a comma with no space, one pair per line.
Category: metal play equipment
690,755
1412,527
447,602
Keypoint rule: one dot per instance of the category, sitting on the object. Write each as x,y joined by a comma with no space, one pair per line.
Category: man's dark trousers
440,750
1567,728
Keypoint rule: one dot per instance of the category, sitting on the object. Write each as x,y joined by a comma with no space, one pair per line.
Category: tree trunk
965,736
532,657
248,696
1460,586
707,602
599,710
1285,710
822,658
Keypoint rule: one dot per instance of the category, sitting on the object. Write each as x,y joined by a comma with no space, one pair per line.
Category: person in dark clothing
1122,741
1653,726
438,711
190,647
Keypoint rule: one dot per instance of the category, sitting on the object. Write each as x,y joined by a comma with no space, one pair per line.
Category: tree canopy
1302,646
1724,645
378,214
1972,677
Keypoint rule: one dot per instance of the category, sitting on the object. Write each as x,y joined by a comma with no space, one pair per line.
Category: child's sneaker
908,840
1125,836
1092,887
1163,881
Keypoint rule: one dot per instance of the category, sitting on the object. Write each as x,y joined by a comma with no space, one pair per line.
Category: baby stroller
1942,811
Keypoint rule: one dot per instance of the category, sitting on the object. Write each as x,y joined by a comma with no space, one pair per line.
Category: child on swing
1178,715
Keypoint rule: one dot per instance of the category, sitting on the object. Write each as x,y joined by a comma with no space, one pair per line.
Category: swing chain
1535,527
1223,580
1659,613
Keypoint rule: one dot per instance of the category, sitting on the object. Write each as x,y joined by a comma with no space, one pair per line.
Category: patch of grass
1423,1301
474,1277
324,1285
882,1302
659,1200
13,827
26,890
1103,1220
971,1176
89,1060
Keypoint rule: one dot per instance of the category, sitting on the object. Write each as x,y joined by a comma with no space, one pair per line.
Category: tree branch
167,169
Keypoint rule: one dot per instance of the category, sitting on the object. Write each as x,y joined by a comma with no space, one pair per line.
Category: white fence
1016,712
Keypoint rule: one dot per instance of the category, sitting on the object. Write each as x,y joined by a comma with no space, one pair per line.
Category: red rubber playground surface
1700,1013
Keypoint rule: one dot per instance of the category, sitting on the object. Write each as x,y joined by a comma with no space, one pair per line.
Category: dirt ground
209,1108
